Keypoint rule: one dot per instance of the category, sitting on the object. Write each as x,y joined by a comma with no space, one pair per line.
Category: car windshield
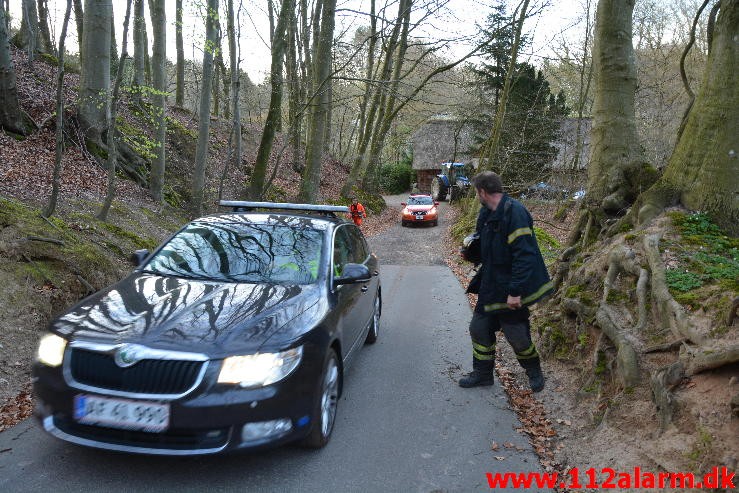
420,200
241,252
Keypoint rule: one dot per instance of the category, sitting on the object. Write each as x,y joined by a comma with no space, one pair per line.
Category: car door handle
364,289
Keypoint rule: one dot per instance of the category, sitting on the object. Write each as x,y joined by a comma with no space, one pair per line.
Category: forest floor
570,424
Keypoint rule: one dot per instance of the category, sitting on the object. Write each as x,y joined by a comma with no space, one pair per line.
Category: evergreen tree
533,113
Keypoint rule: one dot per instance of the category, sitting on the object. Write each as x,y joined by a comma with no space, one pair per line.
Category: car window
279,254
343,248
420,201
359,246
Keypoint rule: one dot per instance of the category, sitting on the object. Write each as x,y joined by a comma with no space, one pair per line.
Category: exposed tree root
626,357
663,381
698,359
670,311
732,312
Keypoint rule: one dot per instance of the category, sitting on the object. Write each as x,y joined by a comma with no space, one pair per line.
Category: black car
234,334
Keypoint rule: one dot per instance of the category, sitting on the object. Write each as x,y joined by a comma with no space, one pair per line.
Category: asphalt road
403,424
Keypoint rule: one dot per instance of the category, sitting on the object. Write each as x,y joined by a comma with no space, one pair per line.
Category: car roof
419,195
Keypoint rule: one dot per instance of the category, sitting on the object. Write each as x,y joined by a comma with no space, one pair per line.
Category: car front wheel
375,324
324,412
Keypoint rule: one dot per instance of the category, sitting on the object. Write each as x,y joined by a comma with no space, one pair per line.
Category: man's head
354,199
489,188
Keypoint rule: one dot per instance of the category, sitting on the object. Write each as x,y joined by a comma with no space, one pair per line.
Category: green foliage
137,241
141,143
396,178
467,219
706,256
615,296
681,280
172,197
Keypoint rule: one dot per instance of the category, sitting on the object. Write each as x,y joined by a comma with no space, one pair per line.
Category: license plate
121,413
419,218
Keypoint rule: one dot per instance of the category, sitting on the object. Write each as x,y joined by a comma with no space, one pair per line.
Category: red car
420,209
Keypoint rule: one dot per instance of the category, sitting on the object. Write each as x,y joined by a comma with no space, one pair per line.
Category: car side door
360,255
348,296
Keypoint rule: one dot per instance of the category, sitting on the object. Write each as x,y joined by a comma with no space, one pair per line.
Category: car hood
418,208
214,318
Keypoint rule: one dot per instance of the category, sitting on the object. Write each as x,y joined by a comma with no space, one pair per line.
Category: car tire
403,224
435,223
324,411
374,330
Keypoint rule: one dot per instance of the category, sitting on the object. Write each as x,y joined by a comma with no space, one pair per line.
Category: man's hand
513,302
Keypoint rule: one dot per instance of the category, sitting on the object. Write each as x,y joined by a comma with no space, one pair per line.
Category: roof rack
245,206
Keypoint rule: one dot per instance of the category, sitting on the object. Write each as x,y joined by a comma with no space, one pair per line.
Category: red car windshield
420,200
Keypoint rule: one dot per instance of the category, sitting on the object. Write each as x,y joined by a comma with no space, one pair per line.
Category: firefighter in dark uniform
512,277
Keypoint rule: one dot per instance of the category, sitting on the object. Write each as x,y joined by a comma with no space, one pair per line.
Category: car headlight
261,369
51,350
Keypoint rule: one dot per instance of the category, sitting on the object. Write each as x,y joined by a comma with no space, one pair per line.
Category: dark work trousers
517,330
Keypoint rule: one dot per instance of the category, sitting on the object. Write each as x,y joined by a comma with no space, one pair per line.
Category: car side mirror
138,257
353,274
403,204
436,202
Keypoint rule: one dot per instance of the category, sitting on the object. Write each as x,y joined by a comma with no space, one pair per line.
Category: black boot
476,379
480,376
533,371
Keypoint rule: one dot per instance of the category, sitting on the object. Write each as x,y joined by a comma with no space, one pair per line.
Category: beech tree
201,152
56,177
94,88
279,42
703,171
111,123
12,117
29,34
139,48
159,66
312,174
179,99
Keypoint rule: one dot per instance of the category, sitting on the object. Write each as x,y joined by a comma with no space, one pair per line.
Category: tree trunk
703,171
112,137
201,152
56,177
180,88
94,89
79,20
235,71
217,73
159,62
139,30
365,130
29,35
12,117
279,43
113,47
309,187
386,115
293,84
47,45
617,168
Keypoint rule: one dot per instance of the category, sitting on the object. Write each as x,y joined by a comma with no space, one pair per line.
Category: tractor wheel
438,189
455,194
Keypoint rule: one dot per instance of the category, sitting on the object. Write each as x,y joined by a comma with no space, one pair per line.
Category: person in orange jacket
357,212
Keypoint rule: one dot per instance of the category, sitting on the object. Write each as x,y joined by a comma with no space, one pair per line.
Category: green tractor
452,180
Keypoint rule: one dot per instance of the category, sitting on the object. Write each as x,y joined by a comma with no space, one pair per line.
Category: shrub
396,178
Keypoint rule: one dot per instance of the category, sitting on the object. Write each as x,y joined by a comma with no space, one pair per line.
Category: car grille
171,439
148,376
419,213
